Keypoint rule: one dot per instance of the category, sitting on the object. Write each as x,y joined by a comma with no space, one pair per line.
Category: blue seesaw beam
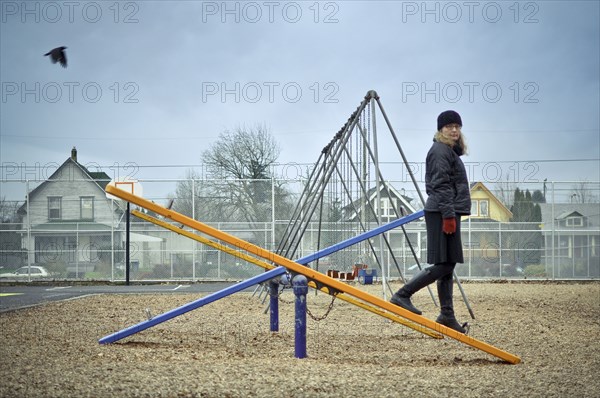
192,305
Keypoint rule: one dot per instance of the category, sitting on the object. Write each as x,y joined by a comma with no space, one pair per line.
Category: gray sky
155,82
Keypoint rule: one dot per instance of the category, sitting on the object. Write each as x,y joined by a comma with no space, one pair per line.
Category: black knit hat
448,117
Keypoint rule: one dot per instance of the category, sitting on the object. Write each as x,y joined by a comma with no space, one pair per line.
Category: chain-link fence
72,231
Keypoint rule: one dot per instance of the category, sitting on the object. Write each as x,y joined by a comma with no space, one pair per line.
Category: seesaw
279,271
267,266
312,275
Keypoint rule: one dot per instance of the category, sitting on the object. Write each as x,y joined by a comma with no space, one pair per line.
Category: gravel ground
226,350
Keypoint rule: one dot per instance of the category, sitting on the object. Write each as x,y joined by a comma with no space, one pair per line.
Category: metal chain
284,301
322,317
313,317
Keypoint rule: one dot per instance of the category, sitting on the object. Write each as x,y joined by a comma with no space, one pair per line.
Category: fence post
470,247
29,252
500,246
273,243
112,240
553,229
194,243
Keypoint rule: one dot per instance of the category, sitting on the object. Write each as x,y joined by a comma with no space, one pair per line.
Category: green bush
535,271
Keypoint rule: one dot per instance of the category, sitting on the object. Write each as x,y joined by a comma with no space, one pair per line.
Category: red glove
449,226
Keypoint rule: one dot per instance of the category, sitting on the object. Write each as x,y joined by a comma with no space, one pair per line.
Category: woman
448,199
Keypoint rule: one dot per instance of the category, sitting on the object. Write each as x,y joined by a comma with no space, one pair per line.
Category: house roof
100,178
386,190
569,213
489,193
560,211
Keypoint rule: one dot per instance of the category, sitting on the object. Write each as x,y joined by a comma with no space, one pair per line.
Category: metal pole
112,240
385,269
500,246
364,193
127,243
573,248
553,228
410,173
339,142
398,214
29,252
77,251
297,213
300,284
272,213
470,248
274,305
194,217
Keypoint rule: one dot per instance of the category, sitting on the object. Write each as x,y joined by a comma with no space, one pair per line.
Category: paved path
22,296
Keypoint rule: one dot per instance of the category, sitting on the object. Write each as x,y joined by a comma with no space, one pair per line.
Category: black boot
425,277
447,318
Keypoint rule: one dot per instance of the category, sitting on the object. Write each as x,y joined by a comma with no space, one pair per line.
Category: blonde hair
445,140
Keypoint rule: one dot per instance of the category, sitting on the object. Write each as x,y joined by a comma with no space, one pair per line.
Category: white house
71,221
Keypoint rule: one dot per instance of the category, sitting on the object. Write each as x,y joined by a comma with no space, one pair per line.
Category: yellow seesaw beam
237,253
312,274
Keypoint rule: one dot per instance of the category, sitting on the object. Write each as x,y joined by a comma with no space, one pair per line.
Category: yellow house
485,205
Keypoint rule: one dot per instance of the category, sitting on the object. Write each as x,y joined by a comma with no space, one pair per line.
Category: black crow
58,55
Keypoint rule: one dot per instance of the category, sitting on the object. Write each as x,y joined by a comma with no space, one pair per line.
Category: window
54,207
480,208
387,205
86,205
484,208
27,270
386,208
575,222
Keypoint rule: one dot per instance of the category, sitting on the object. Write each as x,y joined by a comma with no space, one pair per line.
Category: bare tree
245,153
191,197
584,192
239,172
8,211
239,185
10,238
505,192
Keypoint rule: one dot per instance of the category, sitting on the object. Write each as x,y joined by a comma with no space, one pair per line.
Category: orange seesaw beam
312,274
237,253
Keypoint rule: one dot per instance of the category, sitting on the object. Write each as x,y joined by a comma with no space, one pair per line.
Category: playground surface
225,349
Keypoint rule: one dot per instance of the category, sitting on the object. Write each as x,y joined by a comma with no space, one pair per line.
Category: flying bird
58,55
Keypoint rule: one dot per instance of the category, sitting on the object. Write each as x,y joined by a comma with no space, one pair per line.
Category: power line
201,165
302,132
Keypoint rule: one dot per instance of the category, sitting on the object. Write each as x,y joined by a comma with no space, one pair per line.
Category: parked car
24,272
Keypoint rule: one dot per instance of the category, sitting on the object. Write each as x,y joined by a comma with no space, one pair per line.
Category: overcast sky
153,83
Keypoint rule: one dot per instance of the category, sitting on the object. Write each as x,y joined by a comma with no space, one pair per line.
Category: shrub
535,271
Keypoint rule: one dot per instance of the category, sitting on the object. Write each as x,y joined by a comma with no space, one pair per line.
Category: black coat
446,181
